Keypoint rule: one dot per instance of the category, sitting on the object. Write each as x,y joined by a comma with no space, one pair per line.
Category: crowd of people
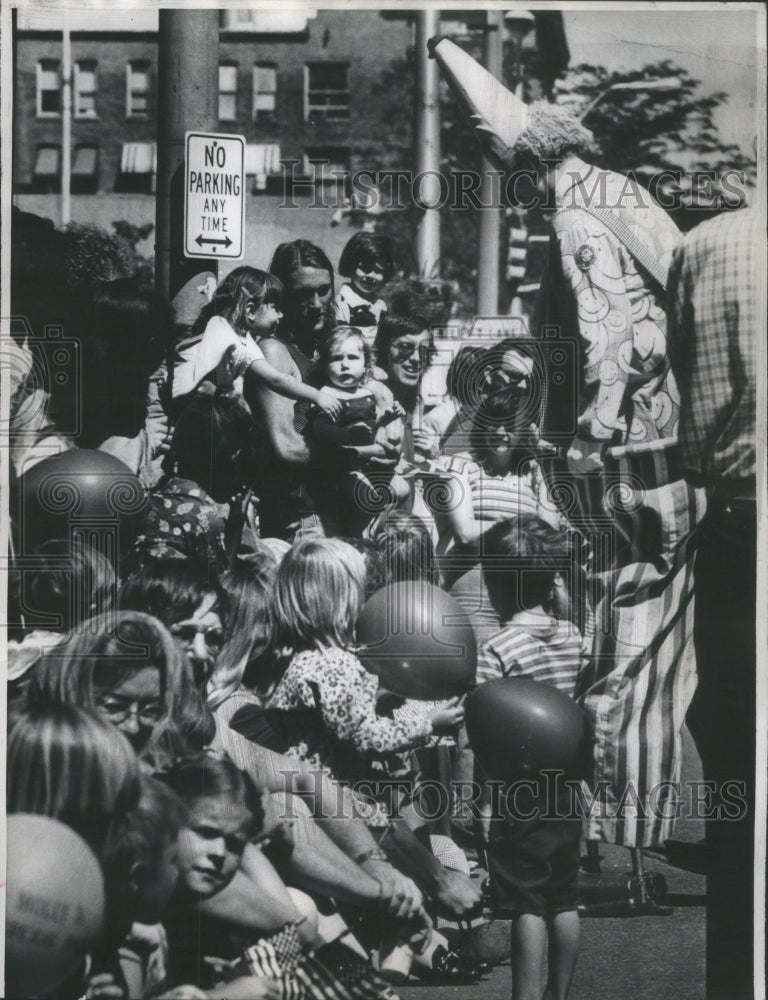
190,698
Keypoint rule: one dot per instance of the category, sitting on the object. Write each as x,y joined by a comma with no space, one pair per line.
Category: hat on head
497,116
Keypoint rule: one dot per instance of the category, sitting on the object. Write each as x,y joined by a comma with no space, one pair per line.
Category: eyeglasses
406,351
118,710
188,632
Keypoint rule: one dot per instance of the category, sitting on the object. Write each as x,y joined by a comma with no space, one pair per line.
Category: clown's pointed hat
496,114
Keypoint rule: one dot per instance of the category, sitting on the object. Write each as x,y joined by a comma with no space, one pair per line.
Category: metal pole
188,98
427,137
490,218
66,125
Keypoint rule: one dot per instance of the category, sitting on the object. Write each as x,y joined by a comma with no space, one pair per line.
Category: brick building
297,86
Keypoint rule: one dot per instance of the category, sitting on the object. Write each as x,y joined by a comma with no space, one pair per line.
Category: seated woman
133,676
498,478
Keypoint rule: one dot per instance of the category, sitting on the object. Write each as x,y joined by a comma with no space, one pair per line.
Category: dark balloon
85,491
54,905
419,642
519,727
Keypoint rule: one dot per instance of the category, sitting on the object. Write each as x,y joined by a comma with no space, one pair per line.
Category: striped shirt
551,654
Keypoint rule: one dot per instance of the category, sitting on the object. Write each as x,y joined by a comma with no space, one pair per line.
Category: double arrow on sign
227,242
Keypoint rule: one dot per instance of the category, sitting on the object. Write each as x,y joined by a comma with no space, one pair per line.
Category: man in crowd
714,319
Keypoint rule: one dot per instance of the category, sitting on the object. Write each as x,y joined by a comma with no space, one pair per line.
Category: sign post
214,195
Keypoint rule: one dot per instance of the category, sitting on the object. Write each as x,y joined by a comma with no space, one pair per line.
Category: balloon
54,904
82,490
519,727
418,640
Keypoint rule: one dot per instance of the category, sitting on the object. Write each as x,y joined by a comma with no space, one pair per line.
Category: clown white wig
551,134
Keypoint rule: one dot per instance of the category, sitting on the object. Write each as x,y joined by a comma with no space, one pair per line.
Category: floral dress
182,522
325,703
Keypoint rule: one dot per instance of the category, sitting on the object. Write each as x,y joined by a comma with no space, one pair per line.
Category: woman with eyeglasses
126,666
497,478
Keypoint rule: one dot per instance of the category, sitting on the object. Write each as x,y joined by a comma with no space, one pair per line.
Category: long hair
368,250
112,647
288,257
68,763
247,613
241,287
318,595
170,590
68,582
464,378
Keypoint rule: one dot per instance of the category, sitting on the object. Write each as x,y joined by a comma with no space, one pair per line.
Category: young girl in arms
244,308
367,261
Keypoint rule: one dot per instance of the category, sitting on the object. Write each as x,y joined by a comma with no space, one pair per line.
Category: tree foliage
669,127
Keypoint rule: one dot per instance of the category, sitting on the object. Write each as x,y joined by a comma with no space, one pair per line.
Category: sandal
452,968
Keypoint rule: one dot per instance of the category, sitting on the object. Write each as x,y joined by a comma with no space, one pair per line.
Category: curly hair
551,134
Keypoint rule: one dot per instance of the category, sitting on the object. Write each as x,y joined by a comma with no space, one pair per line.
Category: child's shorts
534,865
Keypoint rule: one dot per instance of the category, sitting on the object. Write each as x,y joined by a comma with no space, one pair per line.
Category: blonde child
245,307
342,450
325,700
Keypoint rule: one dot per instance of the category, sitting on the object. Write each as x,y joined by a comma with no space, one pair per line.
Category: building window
137,89
48,89
228,92
85,170
264,91
85,89
46,176
138,168
327,164
326,92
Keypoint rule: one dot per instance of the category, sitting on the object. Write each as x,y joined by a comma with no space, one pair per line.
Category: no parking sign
214,195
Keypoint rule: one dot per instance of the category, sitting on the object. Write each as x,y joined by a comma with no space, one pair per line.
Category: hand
329,404
426,445
448,718
103,986
456,894
252,988
388,457
400,896
278,838
584,457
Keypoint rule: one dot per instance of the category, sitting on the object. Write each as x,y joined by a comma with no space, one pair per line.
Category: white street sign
214,195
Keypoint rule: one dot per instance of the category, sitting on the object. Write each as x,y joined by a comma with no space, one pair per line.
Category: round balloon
86,490
54,904
519,727
418,640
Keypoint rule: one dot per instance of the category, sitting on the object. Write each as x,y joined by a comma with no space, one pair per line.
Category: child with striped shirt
533,848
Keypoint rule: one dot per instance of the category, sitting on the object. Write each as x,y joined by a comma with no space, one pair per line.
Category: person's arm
340,693
460,510
455,893
333,810
294,388
275,410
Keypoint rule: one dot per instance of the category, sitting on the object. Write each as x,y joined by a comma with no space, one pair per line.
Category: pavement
624,958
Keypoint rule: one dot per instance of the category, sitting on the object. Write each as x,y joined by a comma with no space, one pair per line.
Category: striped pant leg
642,676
